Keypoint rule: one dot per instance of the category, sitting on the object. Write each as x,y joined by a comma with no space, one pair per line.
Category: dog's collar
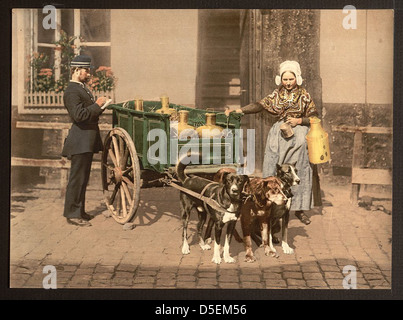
286,188
221,212
288,193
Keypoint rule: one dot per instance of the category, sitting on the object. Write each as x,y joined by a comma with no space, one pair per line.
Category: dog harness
211,202
205,202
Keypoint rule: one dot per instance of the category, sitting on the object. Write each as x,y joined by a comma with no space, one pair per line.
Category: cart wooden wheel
120,175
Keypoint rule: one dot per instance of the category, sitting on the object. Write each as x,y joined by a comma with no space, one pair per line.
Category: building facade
216,58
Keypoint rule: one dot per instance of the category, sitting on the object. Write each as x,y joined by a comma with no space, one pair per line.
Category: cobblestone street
149,256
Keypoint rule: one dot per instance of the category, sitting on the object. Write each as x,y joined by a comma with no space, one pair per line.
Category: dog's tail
180,171
181,166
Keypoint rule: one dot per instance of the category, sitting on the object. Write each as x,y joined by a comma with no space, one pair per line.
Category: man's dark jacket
84,133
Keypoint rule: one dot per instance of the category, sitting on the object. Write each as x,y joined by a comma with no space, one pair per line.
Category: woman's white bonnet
292,66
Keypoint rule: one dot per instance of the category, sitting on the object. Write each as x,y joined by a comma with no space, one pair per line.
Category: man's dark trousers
80,170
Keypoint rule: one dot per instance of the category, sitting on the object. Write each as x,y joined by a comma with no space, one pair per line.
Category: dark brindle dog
228,196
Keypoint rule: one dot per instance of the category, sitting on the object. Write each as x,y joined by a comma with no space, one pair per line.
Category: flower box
52,102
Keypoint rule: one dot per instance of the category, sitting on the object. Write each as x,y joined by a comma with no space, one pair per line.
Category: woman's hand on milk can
228,111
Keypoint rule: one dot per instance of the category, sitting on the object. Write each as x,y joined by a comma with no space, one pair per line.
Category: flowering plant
103,79
42,76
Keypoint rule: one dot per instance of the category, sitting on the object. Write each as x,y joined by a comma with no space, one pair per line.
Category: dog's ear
224,175
245,178
294,164
254,187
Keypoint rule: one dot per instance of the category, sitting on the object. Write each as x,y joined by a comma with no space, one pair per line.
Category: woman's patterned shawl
297,103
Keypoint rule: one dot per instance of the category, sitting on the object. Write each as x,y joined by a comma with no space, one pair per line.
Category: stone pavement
149,256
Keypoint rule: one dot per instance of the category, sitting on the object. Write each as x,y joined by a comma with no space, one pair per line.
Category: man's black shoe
78,222
86,216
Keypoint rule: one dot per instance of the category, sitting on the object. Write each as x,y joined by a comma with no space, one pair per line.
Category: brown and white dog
227,194
269,201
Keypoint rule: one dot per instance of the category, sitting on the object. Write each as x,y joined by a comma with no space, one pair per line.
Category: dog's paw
250,259
185,249
287,249
205,247
216,260
271,252
229,259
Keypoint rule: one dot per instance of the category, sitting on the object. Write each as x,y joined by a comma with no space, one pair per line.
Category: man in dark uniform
83,140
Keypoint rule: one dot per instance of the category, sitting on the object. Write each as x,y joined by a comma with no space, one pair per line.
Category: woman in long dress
292,104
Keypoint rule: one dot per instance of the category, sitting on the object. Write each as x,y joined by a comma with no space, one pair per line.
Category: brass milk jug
165,106
184,129
210,130
138,104
318,142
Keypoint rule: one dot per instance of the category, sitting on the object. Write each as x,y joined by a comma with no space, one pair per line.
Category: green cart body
127,150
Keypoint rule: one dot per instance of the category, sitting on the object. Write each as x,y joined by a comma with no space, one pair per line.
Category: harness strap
206,187
211,202
202,193
286,192
250,196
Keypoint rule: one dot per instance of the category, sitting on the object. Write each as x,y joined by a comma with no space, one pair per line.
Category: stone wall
292,35
348,73
377,148
40,144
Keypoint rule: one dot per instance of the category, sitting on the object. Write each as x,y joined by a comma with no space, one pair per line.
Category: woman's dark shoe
86,216
303,217
78,222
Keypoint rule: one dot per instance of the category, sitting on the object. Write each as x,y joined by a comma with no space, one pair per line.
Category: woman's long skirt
295,149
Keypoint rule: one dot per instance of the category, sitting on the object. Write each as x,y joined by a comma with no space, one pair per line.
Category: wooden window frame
34,45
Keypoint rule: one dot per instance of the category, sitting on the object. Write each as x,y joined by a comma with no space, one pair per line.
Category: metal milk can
165,106
185,130
138,104
318,142
210,129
